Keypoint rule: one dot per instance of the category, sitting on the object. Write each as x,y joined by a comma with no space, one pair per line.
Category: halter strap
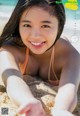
23,66
56,82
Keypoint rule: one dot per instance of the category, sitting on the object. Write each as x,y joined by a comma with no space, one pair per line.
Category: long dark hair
10,32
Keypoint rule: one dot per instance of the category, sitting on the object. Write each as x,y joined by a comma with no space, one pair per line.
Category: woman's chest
42,69
36,68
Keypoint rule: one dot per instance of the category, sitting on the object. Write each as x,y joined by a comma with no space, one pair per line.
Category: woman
31,45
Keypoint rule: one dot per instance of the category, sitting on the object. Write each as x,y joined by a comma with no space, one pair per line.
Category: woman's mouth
37,44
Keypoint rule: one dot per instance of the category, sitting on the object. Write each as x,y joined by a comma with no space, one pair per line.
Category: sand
41,90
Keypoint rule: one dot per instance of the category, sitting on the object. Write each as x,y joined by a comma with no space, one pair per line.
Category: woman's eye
46,26
26,25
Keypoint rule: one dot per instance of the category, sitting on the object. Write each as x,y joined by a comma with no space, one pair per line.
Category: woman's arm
12,78
66,98
17,89
67,93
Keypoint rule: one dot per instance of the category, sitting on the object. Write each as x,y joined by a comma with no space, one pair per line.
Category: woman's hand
33,108
58,112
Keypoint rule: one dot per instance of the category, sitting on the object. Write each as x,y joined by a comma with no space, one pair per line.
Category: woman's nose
35,33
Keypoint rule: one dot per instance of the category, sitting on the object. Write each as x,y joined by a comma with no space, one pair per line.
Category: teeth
36,44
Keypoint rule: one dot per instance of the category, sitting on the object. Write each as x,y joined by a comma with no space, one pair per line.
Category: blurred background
72,26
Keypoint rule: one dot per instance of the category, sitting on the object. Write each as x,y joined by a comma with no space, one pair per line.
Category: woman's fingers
24,109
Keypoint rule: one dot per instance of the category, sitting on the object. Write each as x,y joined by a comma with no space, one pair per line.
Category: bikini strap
56,82
24,65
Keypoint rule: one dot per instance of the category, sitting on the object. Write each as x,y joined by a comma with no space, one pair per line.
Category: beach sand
42,91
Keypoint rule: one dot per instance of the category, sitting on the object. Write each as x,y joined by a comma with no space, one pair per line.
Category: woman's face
38,29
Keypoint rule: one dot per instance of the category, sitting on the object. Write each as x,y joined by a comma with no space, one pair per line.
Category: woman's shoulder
64,47
64,51
17,52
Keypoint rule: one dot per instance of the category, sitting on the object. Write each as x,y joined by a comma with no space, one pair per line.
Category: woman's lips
37,44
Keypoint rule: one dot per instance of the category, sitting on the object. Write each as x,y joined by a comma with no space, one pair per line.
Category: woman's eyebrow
46,22
26,21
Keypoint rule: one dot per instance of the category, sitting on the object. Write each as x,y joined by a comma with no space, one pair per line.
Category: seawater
6,7
8,2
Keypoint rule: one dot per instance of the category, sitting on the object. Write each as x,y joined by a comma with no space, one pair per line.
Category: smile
37,43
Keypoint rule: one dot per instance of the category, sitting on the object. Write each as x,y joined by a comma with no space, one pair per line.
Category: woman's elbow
73,104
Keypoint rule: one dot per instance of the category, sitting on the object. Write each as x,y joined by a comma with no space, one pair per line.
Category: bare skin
66,65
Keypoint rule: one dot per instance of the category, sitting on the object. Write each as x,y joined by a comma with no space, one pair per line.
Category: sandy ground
41,90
